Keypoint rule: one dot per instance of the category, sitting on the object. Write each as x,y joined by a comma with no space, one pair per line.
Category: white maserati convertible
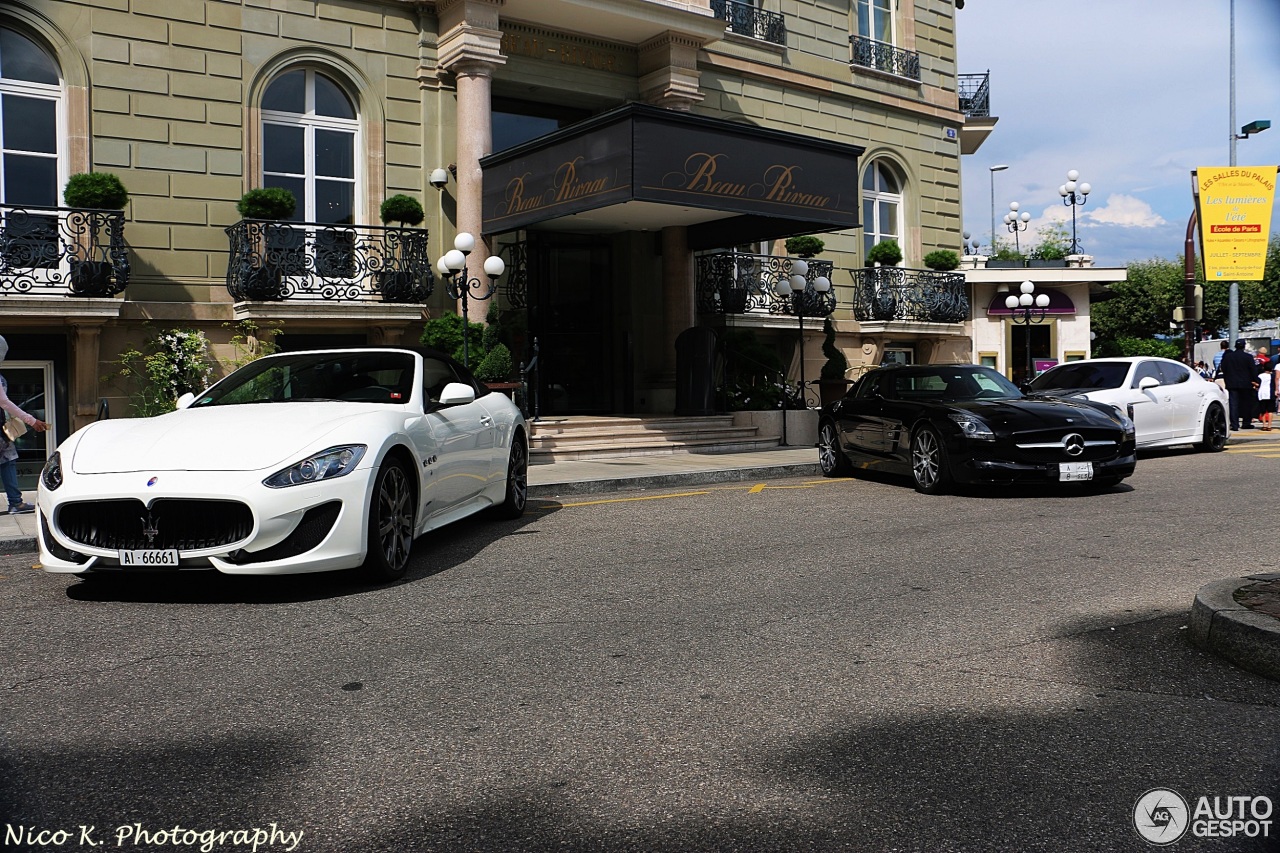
297,462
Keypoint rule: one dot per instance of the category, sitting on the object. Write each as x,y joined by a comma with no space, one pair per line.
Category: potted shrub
831,379
402,280
1051,251
93,191
805,246
1006,257
262,281
886,253
942,260
496,366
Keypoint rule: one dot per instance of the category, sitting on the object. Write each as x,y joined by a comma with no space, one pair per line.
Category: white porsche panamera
297,462
1170,403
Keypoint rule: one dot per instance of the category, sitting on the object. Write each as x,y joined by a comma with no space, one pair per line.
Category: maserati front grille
181,523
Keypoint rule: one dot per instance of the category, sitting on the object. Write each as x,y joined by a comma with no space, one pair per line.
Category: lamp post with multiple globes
1028,307
1074,194
808,299
1016,223
452,267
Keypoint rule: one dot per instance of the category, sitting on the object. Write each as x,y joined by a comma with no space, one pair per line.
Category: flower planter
1044,262
993,264
401,287
90,278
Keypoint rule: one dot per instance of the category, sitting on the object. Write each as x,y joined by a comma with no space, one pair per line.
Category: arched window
881,205
30,103
309,137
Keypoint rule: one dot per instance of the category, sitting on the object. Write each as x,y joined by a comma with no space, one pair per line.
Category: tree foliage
1142,306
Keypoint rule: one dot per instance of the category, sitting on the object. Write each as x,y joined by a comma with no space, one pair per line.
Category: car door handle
486,421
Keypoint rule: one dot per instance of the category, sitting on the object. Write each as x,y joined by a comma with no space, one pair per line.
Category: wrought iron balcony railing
882,56
740,283
273,261
886,294
67,251
745,18
975,94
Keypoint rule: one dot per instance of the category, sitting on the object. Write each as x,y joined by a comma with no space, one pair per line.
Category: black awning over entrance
751,183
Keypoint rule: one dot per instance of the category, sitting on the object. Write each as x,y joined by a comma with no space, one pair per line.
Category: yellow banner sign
1234,206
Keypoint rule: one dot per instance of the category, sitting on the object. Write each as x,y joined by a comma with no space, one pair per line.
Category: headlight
1125,419
51,476
973,427
324,465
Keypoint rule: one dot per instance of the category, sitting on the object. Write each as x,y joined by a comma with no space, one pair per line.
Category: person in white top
1266,396
9,453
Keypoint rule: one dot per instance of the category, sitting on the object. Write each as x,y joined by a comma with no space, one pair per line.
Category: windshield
949,383
352,377
1081,376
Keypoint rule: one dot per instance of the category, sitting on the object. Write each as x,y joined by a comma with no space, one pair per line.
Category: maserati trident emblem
149,530
1073,443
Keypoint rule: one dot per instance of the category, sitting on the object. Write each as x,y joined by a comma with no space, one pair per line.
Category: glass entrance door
571,315
31,387
1041,348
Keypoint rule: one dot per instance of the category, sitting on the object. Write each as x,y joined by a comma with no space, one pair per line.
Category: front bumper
280,517
981,470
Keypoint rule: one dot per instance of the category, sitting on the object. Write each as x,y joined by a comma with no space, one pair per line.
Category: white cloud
1125,211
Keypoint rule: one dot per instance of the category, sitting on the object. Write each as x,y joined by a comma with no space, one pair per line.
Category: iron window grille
745,18
273,261
882,56
62,250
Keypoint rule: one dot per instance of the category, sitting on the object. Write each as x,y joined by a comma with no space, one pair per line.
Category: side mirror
186,400
1148,382
456,393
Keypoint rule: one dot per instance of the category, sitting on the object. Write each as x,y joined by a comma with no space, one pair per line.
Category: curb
18,546
685,478
1221,625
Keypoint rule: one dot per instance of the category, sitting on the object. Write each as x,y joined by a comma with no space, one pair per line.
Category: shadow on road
436,552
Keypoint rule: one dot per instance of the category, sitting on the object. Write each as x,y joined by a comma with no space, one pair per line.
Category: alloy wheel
926,459
395,518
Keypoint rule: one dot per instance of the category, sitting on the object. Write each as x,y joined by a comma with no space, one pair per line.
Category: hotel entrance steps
553,439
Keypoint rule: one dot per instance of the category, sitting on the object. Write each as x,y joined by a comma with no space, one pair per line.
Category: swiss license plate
1073,471
151,558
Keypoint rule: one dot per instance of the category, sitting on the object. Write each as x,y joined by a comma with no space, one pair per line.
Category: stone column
669,75
470,48
86,339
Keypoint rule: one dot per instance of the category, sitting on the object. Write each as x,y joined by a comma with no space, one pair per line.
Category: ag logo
1160,816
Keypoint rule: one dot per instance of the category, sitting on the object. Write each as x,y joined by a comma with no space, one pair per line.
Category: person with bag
9,434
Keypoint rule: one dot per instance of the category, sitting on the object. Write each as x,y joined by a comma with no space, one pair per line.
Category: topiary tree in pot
804,246
88,191
942,260
831,381
403,279
260,276
886,253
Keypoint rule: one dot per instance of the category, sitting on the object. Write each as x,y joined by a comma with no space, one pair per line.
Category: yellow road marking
756,489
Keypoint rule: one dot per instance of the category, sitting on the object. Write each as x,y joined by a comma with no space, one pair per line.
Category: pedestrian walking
1239,376
8,435
1266,395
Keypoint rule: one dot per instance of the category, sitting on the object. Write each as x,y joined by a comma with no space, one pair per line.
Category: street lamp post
1027,309
994,169
1016,222
1074,195
808,299
452,267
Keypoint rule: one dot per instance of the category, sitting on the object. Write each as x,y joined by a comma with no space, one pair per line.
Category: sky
1132,94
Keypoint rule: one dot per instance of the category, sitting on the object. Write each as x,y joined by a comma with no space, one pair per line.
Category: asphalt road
808,666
